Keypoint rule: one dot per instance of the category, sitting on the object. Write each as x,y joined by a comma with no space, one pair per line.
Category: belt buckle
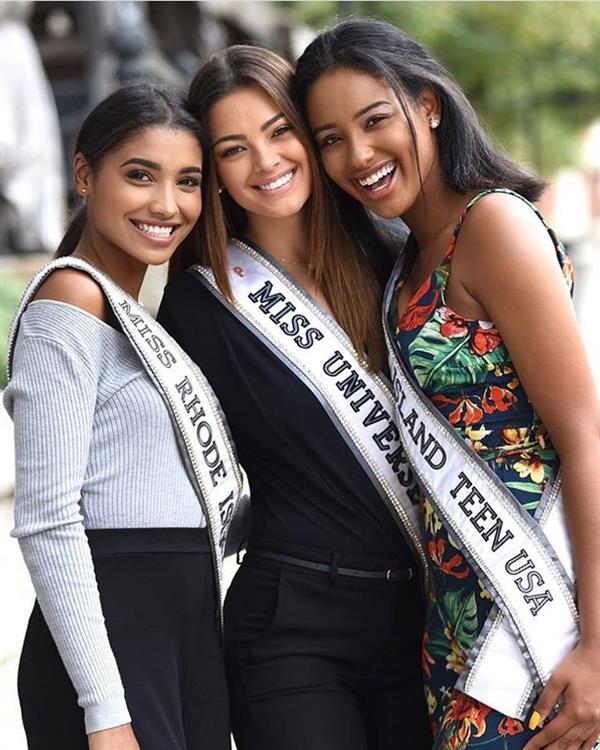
392,575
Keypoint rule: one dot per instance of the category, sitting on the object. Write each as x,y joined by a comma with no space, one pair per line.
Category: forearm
52,396
61,568
581,492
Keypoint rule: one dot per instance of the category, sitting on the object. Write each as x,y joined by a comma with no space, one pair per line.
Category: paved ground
16,595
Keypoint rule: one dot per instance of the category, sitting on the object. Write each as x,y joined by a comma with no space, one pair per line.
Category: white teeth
372,179
154,230
283,180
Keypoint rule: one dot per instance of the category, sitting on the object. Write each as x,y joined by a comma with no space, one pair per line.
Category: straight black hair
119,118
468,159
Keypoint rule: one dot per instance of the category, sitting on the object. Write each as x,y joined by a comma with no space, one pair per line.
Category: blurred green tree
531,69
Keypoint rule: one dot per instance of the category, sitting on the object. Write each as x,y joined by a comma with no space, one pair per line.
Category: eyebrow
358,114
154,165
241,137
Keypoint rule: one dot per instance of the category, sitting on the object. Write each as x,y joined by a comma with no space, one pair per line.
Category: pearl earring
434,122
221,189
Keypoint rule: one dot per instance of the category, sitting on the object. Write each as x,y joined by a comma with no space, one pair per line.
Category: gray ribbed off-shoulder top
95,448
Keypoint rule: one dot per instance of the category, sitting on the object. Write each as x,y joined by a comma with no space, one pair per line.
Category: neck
125,271
435,212
281,238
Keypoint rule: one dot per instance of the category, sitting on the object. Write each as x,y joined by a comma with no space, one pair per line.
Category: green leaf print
459,610
439,361
534,489
458,621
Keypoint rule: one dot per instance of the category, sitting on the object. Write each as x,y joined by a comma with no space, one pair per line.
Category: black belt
390,575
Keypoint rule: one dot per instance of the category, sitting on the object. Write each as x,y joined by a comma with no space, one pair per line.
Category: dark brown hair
342,268
123,115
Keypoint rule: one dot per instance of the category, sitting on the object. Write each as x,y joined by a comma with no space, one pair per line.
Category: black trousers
316,660
158,599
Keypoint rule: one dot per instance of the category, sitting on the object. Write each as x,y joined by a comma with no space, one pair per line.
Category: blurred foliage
11,289
531,69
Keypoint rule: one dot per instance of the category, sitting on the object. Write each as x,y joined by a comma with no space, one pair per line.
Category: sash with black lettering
314,347
200,426
524,562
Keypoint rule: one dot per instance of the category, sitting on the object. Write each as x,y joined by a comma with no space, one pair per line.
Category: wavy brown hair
343,270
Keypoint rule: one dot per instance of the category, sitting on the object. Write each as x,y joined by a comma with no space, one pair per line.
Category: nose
163,203
360,153
266,159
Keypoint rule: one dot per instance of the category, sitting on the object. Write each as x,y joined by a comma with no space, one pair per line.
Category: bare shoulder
75,288
501,229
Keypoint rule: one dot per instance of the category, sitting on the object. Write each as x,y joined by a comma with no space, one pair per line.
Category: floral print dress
465,369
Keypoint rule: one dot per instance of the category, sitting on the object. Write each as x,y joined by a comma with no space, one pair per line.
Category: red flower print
436,550
509,726
465,714
426,658
496,398
484,340
466,410
454,326
417,315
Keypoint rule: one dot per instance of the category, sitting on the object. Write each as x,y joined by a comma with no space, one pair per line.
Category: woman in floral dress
480,394
484,321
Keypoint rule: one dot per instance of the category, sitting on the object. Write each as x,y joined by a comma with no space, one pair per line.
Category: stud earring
434,122
221,189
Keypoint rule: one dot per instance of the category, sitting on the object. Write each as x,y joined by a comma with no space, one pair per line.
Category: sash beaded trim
317,350
200,428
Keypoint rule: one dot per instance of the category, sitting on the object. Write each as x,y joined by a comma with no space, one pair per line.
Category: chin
385,212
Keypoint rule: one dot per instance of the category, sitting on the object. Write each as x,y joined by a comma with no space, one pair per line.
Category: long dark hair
468,159
117,119
342,269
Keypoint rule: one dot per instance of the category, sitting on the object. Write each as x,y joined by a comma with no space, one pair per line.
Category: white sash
314,347
525,563
200,426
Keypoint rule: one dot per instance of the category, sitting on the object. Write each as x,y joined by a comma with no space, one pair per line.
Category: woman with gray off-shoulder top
123,646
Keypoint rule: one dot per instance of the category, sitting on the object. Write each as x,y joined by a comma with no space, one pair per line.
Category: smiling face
365,142
260,159
144,198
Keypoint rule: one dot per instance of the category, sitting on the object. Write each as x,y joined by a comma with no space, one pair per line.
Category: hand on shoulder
75,288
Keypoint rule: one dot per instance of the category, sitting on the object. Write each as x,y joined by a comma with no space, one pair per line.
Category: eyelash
328,140
194,182
331,140
281,130
231,151
375,120
140,176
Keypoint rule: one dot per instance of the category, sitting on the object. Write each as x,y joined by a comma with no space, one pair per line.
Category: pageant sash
314,347
200,426
525,563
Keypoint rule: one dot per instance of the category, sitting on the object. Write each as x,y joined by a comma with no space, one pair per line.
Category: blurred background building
531,70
